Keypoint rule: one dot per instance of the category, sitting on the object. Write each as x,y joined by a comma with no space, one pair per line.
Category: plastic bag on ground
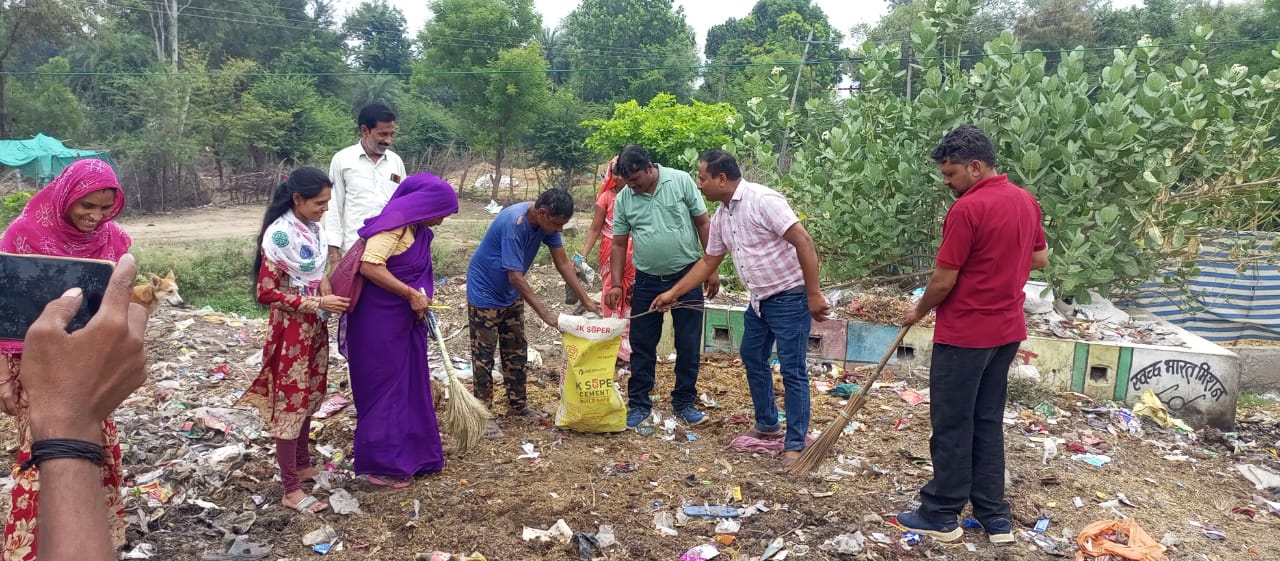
1140,546
589,399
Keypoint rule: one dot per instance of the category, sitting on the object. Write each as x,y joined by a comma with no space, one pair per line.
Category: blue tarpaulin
43,157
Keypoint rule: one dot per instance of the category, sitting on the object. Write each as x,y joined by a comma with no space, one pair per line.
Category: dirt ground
214,223
483,499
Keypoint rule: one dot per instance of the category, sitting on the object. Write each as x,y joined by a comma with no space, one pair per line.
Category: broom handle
434,328
888,353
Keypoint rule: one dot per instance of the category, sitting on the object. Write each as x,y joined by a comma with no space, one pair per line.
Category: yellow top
385,245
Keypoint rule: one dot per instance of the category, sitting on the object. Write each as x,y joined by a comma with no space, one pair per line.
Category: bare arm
333,219
704,268
593,231
703,224
73,382
379,275
617,264
799,238
940,285
565,266
1040,259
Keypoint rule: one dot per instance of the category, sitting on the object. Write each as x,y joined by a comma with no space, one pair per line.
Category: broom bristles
813,455
465,415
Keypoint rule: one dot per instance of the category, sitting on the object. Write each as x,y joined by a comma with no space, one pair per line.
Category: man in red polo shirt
991,239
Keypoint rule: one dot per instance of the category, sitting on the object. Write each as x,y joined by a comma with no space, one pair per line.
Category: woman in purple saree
397,436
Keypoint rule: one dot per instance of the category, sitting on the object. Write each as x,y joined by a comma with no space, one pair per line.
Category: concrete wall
1259,368
1199,383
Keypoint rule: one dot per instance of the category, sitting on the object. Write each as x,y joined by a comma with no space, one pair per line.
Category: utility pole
783,162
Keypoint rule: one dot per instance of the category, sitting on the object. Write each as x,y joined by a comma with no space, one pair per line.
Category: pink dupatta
43,228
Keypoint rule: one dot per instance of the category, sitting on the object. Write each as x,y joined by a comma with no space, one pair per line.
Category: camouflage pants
489,327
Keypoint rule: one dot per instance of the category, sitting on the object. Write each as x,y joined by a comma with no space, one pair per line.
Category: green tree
1129,163
464,37
555,51
1057,25
45,104
672,133
646,45
317,127
517,93
380,35
28,25
558,139
773,33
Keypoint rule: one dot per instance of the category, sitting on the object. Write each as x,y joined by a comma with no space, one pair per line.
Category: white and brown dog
160,289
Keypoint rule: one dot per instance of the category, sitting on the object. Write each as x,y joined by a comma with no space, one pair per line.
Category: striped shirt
751,226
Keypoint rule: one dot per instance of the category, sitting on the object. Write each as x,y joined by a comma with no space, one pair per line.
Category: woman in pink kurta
602,227
71,217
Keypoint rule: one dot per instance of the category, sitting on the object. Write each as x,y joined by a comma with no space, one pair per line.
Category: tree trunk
173,32
4,104
499,154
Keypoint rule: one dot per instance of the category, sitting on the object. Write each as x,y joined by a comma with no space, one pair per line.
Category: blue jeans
647,330
783,318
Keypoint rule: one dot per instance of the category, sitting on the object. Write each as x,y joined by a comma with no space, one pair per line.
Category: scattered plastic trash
331,405
1042,524
325,534
1046,409
844,390
343,503
910,396
559,532
529,452
711,511
1045,543
775,551
910,539
701,553
141,551
728,526
1098,539
493,207
1050,449
664,523
1261,478
1150,406
1095,460
845,544
605,537
1209,532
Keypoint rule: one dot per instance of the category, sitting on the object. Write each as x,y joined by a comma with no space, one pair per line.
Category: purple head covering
420,197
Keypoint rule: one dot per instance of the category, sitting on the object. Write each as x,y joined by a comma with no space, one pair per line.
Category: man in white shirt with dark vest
364,177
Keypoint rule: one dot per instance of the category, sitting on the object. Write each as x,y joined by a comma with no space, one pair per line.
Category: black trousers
968,388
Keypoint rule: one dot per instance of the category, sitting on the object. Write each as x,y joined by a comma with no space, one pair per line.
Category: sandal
492,431
391,482
308,505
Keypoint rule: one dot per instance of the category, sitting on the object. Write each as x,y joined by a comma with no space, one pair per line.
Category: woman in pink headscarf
71,217
602,228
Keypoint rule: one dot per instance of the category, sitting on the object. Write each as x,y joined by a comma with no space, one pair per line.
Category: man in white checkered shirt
777,262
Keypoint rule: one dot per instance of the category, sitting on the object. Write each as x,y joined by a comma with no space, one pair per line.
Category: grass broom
813,455
465,415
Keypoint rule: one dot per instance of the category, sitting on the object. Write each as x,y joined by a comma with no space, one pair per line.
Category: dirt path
215,223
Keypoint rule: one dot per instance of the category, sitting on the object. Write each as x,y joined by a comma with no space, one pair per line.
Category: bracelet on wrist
58,448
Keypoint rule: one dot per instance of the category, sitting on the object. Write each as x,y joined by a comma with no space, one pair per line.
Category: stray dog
160,289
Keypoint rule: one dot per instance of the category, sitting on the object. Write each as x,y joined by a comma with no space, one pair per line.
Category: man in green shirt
663,211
